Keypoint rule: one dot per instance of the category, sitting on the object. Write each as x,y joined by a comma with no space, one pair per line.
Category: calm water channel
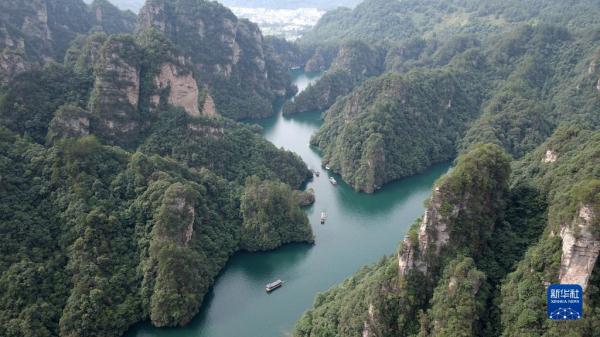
359,230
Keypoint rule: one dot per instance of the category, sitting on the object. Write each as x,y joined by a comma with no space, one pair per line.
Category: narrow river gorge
359,230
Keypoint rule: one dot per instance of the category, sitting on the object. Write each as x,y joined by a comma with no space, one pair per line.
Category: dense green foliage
468,203
360,134
322,94
117,206
377,20
457,302
29,103
519,86
355,62
110,228
508,262
230,149
271,216
346,309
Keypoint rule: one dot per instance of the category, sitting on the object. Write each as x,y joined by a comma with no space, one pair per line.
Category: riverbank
359,230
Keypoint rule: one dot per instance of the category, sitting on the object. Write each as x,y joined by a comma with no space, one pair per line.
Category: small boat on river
333,181
323,217
273,285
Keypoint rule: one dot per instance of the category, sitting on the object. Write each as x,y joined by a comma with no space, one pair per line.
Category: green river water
360,229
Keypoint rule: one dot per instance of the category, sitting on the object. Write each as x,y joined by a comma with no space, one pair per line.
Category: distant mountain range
135,5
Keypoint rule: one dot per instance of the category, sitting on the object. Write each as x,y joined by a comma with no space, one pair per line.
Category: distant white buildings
287,23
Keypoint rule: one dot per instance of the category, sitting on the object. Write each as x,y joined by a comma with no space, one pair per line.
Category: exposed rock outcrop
69,121
579,249
183,89
39,30
432,232
176,220
227,54
462,211
369,321
550,157
116,94
11,64
208,108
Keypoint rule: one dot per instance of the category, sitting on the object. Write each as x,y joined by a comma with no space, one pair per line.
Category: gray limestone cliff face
12,63
182,88
69,122
115,99
228,56
579,249
176,205
215,28
30,25
431,237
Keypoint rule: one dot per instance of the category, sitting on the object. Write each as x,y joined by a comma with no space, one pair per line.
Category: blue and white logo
565,302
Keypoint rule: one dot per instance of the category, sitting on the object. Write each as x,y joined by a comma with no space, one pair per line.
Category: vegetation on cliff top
493,283
107,189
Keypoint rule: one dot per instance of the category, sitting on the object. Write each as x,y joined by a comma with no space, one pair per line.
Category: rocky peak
111,19
470,196
358,59
228,55
118,72
579,249
432,236
36,24
175,221
40,31
209,109
115,98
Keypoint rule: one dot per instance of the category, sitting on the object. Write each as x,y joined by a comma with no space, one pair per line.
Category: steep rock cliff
116,93
182,87
227,53
580,248
461,214
69,121
176,293
440,252
39,31
567,251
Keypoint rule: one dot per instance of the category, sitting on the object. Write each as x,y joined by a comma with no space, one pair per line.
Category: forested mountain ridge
465,269
528,81
381,20
33,32
228,54
119,165
520,208
361,133
494,36
354,62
